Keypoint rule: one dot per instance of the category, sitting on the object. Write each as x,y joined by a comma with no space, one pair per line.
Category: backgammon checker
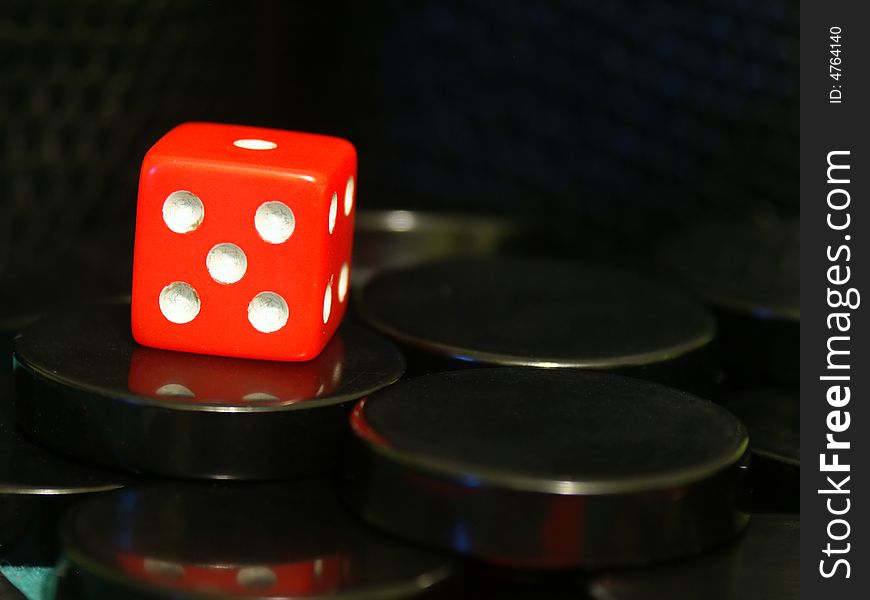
36,487
387,239
763,564
772,416
548,468
760,564
288,540
541,313
85,388
749,272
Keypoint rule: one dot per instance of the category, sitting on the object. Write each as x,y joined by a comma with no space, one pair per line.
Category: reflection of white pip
259,397
401,220
256,577
175,389
180,391
163,569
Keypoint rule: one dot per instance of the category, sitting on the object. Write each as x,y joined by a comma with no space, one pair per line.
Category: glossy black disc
773,419
541,313
548,467
749,272
273,541
29,470
762,564
772,416
86,389
36,486
386,239
749,267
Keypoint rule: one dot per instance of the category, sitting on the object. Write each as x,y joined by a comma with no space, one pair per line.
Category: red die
243,241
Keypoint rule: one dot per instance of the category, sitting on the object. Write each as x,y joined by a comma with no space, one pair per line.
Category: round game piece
750,272
545,468
539,313
291,540
87,389
29,470
772,416
386,239
761,564
36,487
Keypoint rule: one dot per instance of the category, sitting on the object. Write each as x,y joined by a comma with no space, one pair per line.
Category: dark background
645,115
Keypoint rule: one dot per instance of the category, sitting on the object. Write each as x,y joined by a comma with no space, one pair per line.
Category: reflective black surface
30,470
747,266
773,419
387,239
760,564
85,388
548,468
748,271
772,416
289,540
36,487
763,564
539,312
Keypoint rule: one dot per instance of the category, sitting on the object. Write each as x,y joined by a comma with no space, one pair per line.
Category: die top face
304,154
240,255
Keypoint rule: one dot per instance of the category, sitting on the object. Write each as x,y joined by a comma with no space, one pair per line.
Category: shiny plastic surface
289,540
542,313
749,272
85,388
310,175
543,468
772,416
36,487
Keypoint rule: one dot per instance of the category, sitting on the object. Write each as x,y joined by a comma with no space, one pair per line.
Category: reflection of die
305,577
191,378
243,241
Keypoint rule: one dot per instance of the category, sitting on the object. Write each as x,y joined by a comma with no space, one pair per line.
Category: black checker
548,468
246,540
86,388
541,313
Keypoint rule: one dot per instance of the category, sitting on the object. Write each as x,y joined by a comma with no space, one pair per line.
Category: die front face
243,241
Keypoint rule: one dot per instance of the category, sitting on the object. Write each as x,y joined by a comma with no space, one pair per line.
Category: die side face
237,254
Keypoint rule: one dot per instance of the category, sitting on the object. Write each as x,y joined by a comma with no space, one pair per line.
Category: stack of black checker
530,450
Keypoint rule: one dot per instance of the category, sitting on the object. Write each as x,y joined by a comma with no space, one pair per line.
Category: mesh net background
660,113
